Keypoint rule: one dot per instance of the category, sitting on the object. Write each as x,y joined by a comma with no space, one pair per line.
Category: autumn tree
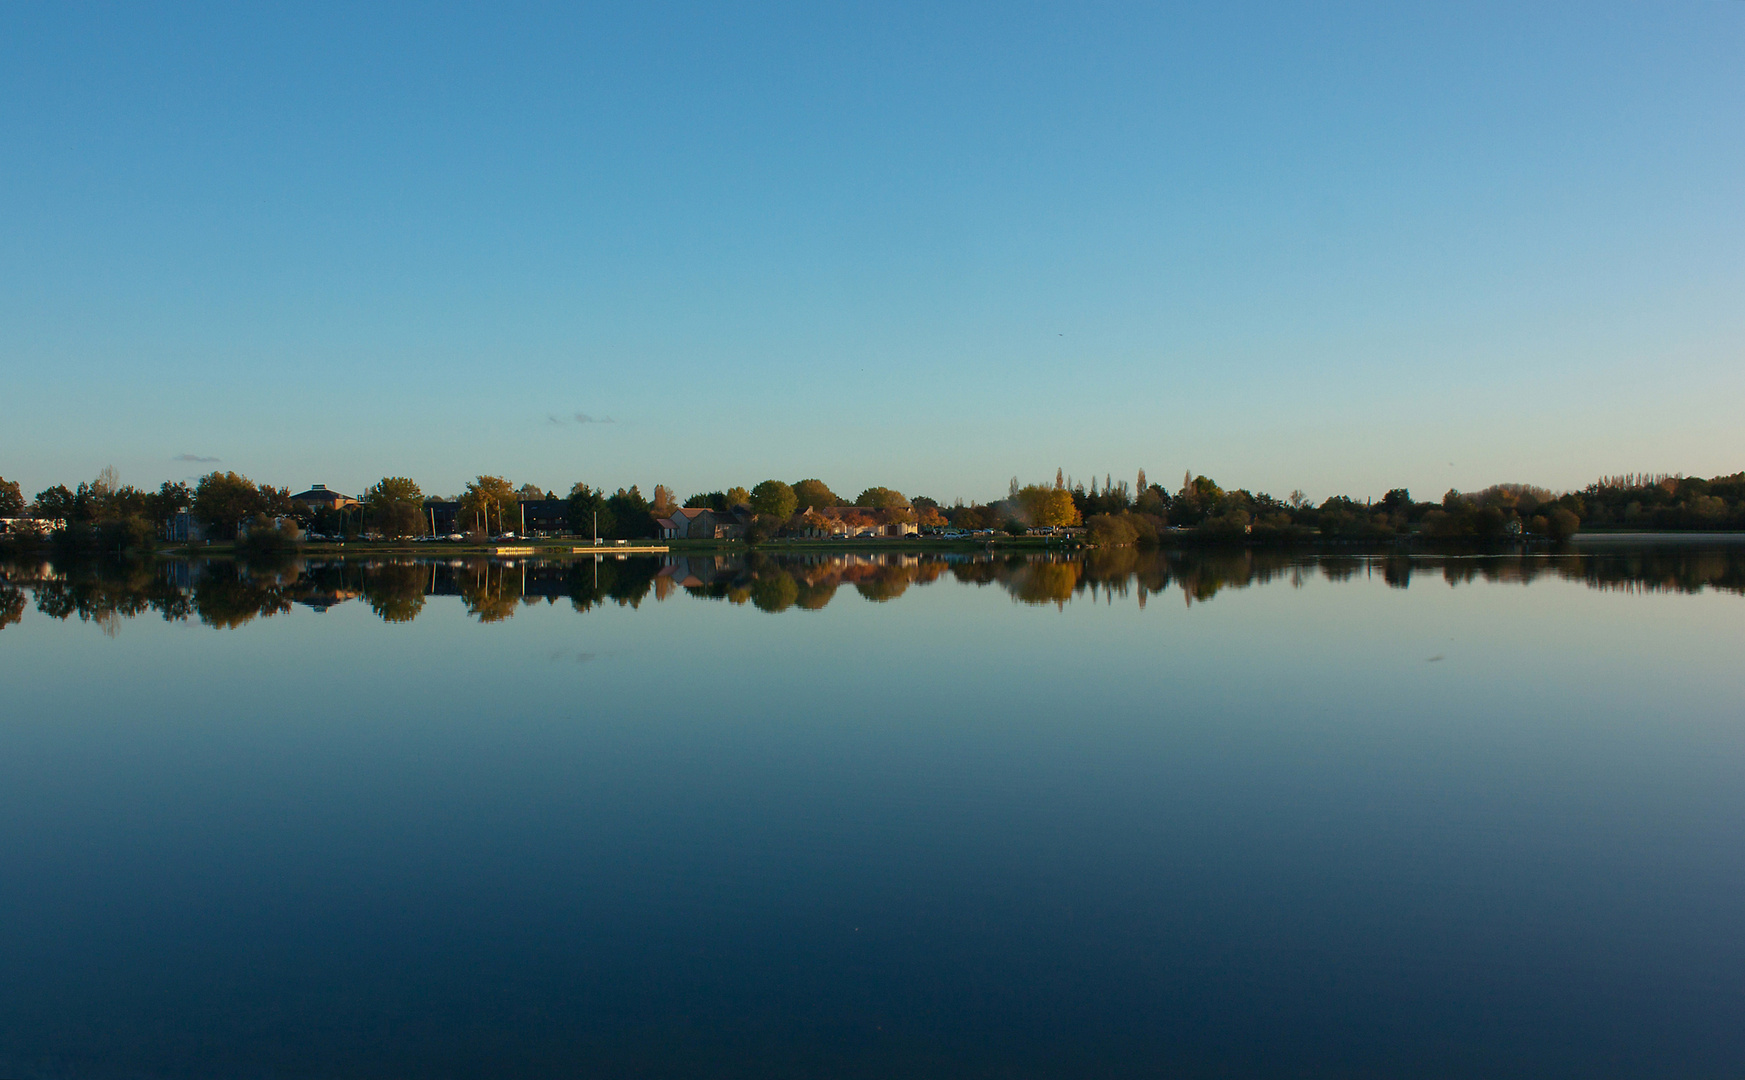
737,496
815,522
1562,523
773,499
896,515
663,502
395,507
1047,506
927,513
489,498
489,594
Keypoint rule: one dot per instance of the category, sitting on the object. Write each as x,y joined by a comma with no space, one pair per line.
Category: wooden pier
621,549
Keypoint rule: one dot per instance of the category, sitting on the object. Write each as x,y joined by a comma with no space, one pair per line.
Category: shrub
1563,523
268,536
1111,530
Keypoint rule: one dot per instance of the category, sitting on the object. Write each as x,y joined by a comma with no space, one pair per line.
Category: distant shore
1661,539
548,547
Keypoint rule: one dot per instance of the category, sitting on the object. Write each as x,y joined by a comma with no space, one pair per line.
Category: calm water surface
1177,816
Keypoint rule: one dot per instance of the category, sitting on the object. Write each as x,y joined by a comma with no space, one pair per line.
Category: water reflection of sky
1282,819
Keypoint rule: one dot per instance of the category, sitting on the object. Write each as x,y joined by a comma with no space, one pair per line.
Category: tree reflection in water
227,593
11,605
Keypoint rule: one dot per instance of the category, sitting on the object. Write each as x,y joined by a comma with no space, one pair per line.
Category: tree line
106,515
1119,515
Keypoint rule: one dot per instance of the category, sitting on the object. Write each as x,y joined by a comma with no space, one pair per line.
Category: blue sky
1334,247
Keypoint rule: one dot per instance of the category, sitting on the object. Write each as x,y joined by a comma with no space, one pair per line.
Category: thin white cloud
577,418
196,458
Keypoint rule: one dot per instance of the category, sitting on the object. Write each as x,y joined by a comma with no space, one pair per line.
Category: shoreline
566,548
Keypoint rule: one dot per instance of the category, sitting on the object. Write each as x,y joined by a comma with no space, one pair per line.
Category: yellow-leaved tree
490,502
1048,506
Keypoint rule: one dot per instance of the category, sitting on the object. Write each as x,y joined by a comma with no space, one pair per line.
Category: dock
621,549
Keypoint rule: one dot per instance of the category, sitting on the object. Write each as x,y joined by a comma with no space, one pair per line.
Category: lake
1224,814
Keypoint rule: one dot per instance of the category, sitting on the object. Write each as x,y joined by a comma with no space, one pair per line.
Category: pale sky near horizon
1340,248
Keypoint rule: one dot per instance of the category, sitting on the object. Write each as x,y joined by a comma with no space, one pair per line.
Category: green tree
774,499
1111,530
631,519
738,496
395,507
277,501
270,536
395,592
708,500
814,495
54,502
881,498
1203,489
168,501
774,591
973,517
11,606
223,500
11,498
1198,499
587,508
1153,501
